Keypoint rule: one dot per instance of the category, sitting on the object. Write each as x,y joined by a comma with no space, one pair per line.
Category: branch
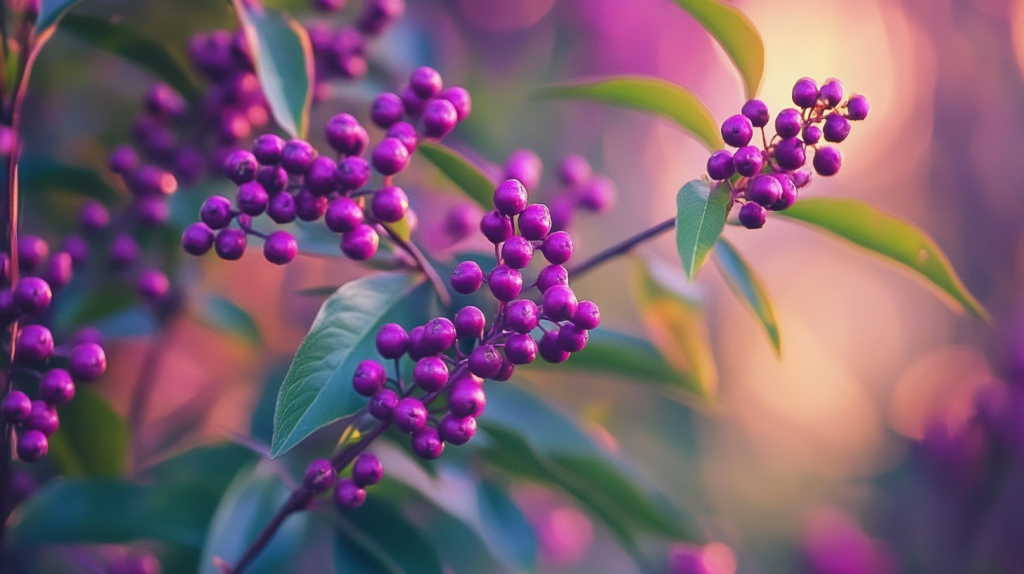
421,260
622,247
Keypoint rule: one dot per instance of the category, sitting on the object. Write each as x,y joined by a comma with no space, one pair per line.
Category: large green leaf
677,329
864,225
747,286
736,34
92,439
128,43
377,538
318,387
50,12
460,171
221,314
284,63
649,95
700,218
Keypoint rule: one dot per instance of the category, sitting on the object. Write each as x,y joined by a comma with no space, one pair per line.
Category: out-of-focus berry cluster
288,180
768,178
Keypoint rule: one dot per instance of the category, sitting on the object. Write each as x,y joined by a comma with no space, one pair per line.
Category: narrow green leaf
864,225
700,218
466,176
284,63
37,173
735,33
747,286
221,314
677,329
128,43
318,387
50,12
92,439
647,94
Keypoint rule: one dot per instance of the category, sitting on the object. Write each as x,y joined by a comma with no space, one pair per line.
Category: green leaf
318,387
737,35
506,526
466,176
128,43
92,439
221,314
647,94
747,286
90,306
677,330
377,538
37,173
700,218
284,63
864,225
50,12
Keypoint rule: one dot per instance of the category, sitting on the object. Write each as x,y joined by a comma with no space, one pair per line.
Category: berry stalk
623,247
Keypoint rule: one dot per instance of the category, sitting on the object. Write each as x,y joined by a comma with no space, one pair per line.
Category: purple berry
382,405
811,135
88,362
240,167
352,173
31,252
521,349
439,118
505,283
789,153
346,135
484,361
836,129
56,387
123,160
510,197
369,378
404,132
857,108
267,149
757,112
367,470
320,176
361,243
310,206
752,215
216,211
470,322
88,335
550,276
438,335
390,156
588,315
550,350
805,93
557,247
163,100
426,443
431,373
559,303
827,160
392,341
378,14
417,350
197,239
410,415
496,227
522,315
151,180
535,222
152,285
457,430
319,477
425,82
459,98
461,220
517,252
32,446
282,208
152,211
43,418
748,161
737,130
598,195
280,247
831,93
764,190
347,495
76,247
343,215
252,199
467,398
789,193
9,310
230,244
467,277
35,343
571,338
721,165
273,178
387,109
574,171
389,204
16,407
413,104
32,294
297,156
788,123
525,166
93,217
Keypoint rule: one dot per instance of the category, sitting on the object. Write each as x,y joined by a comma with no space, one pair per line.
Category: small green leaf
466,176
677,329
50,12
92,439
318,387
128,43
864,225
220,314
649,95
747,286
737,35
284,63
700,218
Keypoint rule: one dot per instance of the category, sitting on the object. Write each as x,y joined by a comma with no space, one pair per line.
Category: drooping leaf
735,33
51,11
284,63
92,438
376,538
677,329
700,218
460,171
37,173
894,239
221,314
128,43
647,94
747,286
318,387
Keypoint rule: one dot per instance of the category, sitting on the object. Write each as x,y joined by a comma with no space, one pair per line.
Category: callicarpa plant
408,432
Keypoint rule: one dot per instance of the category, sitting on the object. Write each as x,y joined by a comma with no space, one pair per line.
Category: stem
622,247
421,260
143,389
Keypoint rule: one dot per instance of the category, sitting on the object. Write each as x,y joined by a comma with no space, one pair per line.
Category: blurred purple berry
273,178
56,387
413,104
378,14
124,251
383,403
367,470
425,82
387,109
31,252
59,270
43,418
32,446
457,430
404,132
93,217
16,407
123,160
574,171
32,294
347,495
459,98
152,285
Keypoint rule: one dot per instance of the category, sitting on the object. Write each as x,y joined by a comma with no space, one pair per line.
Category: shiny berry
352,173
484,361
559,303
240,166
535,222
467,277
764,190
410,415
347,495
389,204
457,430
505,283
346,135
252,199
32,446
510,197
32,294
788,123
517,252
392,341
789,193
836,129
431,373
404,132
280,247
56,387
522,315
320,176
550,276
496,227
831,93
367,470
805,93
230,244
439,118
281,208
811,135
297,156
467,398
34,343
737,130
426,443
588,315
757,112
789,153
470,322
361,243
88,362
216,212
319,477
390,156
197,239
310,206
550,350
343,215
273,178
827,160
857,108
383,403
426,82
438,335
571,338
267,149
459,98
557,247
721,165
748,161
387,109
752,215
369,378
417,350
16,407
520,349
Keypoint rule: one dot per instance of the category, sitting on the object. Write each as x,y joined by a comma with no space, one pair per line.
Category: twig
622,247
421,260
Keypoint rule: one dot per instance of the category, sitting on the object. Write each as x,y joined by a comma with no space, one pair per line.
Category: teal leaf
735,33
220,314
700,218
37,173
466,176
50,12
92,439
377,539
894,239
747,286
647,94
318,387
128,43
284,63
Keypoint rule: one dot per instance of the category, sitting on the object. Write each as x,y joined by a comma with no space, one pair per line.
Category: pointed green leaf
50,12
92,439
747,286
700,218
221,314
460,171
864,225
647,94
128,43
318,388
284,63
735,33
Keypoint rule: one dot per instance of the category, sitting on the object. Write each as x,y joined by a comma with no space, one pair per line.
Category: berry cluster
290,179
769,179
35,354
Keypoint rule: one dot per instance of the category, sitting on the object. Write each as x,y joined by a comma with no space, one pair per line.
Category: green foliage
377,538
39,173
862,224
92,439
220,314
700,219
647,94
466,176
747,286
51,11
737,35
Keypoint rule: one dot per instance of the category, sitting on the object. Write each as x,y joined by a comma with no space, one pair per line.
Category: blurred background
803,459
